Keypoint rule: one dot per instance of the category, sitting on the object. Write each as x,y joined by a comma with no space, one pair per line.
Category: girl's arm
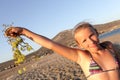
65,51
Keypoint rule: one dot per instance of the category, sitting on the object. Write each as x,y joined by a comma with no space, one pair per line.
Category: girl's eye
84,41
92,35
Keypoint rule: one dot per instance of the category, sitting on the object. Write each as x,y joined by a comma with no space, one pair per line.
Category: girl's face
87,38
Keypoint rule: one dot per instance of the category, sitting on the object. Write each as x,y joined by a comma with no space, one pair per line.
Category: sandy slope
115,38
51,67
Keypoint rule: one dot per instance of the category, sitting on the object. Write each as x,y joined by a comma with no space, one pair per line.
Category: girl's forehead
82,33
84,30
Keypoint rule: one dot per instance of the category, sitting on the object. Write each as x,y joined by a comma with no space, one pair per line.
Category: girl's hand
13,31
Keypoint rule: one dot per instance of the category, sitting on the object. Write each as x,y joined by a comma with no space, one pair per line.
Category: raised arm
67,52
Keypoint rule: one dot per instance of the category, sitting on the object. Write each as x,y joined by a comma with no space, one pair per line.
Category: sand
51,67
114,38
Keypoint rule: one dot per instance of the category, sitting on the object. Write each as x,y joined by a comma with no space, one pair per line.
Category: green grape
19,39
18,57
24,68
14,44
29,48
22,49
20,71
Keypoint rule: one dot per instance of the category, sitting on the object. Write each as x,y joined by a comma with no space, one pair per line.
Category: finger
7,31
13,35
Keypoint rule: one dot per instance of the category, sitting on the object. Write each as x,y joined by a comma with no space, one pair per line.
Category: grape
19,39
20,71
14,44
29,48
18,45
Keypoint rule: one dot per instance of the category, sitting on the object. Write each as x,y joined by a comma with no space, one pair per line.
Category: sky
49,17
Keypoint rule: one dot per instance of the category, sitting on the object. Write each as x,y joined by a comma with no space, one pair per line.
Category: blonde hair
82,25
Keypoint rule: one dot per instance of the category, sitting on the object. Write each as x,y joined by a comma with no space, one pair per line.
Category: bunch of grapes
18,46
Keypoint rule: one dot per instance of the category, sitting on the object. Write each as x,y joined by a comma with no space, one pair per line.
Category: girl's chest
101,62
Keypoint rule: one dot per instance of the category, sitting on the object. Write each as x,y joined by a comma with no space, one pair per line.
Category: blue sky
49,17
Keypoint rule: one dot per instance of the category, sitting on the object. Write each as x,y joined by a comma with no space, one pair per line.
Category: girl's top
94,68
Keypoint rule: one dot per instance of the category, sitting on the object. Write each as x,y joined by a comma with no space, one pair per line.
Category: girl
96,59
